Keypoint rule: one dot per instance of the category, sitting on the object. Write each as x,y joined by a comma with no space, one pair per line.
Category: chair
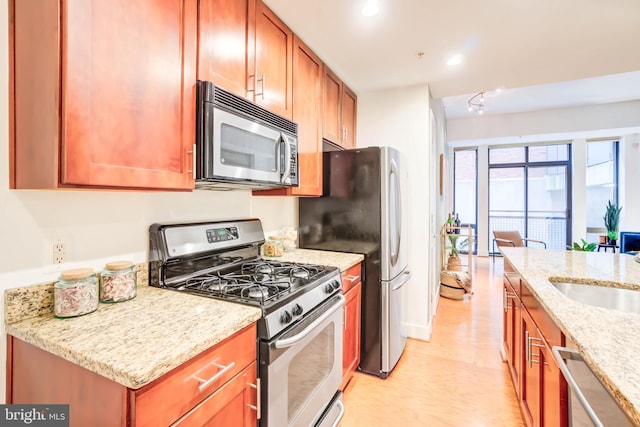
629,242
510,238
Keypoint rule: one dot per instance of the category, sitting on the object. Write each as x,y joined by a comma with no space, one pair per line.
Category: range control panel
222,234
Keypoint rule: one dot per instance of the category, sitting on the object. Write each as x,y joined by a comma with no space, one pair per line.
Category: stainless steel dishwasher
590,403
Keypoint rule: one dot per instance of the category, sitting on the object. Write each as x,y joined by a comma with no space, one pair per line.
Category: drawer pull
352,279
206,383
257,406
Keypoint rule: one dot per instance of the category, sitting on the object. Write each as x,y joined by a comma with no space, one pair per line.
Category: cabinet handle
206,383
193,160
530,353
344,324
505,298
256,408
262,83
352,279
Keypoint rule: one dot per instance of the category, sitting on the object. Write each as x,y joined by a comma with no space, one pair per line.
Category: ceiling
542,53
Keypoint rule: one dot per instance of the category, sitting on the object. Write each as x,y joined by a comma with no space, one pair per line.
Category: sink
601,296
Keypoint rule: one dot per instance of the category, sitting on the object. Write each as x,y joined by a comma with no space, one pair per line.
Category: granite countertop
342,260
132,342
608,340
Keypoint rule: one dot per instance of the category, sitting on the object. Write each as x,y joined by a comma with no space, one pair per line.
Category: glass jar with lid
118,282
75,293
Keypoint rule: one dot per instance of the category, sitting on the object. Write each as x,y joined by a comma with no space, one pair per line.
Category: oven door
301,370
245,150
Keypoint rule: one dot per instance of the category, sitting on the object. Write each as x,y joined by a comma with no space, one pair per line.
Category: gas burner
299,272
264,269
256,292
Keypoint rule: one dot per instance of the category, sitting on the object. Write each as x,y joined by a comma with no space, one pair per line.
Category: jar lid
119,265
76,273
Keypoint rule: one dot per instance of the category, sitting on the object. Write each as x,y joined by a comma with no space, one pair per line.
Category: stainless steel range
300,332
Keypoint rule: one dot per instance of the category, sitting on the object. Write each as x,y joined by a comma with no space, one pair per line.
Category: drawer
169,397
549,330
351,277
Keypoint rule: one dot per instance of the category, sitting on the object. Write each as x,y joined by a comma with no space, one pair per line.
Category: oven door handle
288,342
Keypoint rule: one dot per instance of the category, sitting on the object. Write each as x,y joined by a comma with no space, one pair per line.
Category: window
601,184
529,192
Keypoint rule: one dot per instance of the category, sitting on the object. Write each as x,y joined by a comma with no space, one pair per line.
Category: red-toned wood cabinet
226,44
307,112
228,397
339,111
273,78
102,93
352,287
528,335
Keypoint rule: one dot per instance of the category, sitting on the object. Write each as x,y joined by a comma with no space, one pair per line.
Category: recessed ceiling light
370,8
455,60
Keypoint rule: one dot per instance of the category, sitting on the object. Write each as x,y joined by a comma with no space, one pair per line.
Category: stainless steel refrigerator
361,211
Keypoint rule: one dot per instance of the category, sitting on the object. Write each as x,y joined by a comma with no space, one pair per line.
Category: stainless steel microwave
242,145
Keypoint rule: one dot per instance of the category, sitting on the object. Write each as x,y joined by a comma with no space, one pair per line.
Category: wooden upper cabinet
339,111
307,112
349,105
102,93
273,77
332,90
226,44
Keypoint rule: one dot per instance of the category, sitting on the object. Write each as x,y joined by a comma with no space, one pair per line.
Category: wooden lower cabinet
528,335
228,397
234,404
352,286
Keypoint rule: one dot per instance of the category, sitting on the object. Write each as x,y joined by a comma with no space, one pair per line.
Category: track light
476,103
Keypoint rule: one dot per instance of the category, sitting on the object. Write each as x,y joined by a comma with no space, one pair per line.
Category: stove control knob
332,287
296,310
285,317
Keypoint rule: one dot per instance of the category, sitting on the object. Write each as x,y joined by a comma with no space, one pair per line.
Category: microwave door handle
287,159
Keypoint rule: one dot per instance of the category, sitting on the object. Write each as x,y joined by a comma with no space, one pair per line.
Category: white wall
400,118
97,225
630,182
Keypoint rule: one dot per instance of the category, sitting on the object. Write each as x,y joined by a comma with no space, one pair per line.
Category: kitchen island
607,339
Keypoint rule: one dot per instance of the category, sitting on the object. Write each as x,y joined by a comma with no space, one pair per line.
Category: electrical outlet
58,252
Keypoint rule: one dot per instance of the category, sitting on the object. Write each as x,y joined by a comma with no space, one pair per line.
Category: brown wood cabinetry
246,49
339,111
352,287
226,44
102,93
217,385
307,110
273,61
528,335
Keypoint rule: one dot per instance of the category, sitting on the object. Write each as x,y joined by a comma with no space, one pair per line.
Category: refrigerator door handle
395,213
403,279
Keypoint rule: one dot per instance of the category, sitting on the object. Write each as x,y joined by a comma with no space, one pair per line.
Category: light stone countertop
608,340
138,341
132,342
342,260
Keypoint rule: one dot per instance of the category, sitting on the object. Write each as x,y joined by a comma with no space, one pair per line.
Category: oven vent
240,105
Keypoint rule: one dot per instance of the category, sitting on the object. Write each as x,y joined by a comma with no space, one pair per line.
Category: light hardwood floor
456,379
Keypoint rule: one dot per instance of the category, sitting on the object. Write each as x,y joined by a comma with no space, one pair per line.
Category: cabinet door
331,107
234,404
307,107
554,391
349,103
511,332
273,55
530,373
226,43
351,333
128,98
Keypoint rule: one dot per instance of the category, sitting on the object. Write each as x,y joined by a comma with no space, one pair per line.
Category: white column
578,189
483,201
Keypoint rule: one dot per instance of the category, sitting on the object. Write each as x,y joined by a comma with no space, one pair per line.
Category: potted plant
612,221
584,246
453,262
